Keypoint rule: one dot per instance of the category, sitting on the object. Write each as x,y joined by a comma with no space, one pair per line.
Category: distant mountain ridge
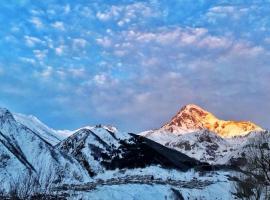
193,118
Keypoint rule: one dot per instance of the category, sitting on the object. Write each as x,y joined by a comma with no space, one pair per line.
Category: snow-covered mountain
24,151
36,125
90,145
192,118
50,135
200,135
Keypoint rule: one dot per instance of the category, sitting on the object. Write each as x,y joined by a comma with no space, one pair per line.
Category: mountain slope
201,145
19,144
37,126
11,167
90,146
192,118
50,135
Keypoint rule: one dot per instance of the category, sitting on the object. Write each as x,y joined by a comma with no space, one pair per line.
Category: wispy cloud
32,41
37,22
58,25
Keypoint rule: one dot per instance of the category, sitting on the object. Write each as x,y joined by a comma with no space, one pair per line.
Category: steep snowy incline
50,135
33,123
11,167
35,153
90,146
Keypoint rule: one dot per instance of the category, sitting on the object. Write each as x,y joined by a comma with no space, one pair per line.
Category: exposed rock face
192,118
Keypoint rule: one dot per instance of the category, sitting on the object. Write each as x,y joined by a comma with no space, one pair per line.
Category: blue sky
133,64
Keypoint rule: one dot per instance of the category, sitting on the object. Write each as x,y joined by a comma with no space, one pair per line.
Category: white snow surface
48,134
220,189
154,192
25,149
203,145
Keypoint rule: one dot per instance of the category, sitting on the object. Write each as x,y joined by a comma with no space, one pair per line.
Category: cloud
40,54
104,42
32,41
28,60
159,46
123,15
67,9
77,72
223,12
58,25
37,22
112,13
59,50
47,73
100,79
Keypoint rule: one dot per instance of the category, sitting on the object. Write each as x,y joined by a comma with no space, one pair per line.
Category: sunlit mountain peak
192,117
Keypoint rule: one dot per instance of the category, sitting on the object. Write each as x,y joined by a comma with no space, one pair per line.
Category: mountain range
191,156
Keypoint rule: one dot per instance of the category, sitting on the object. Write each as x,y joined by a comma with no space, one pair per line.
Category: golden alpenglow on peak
192,117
